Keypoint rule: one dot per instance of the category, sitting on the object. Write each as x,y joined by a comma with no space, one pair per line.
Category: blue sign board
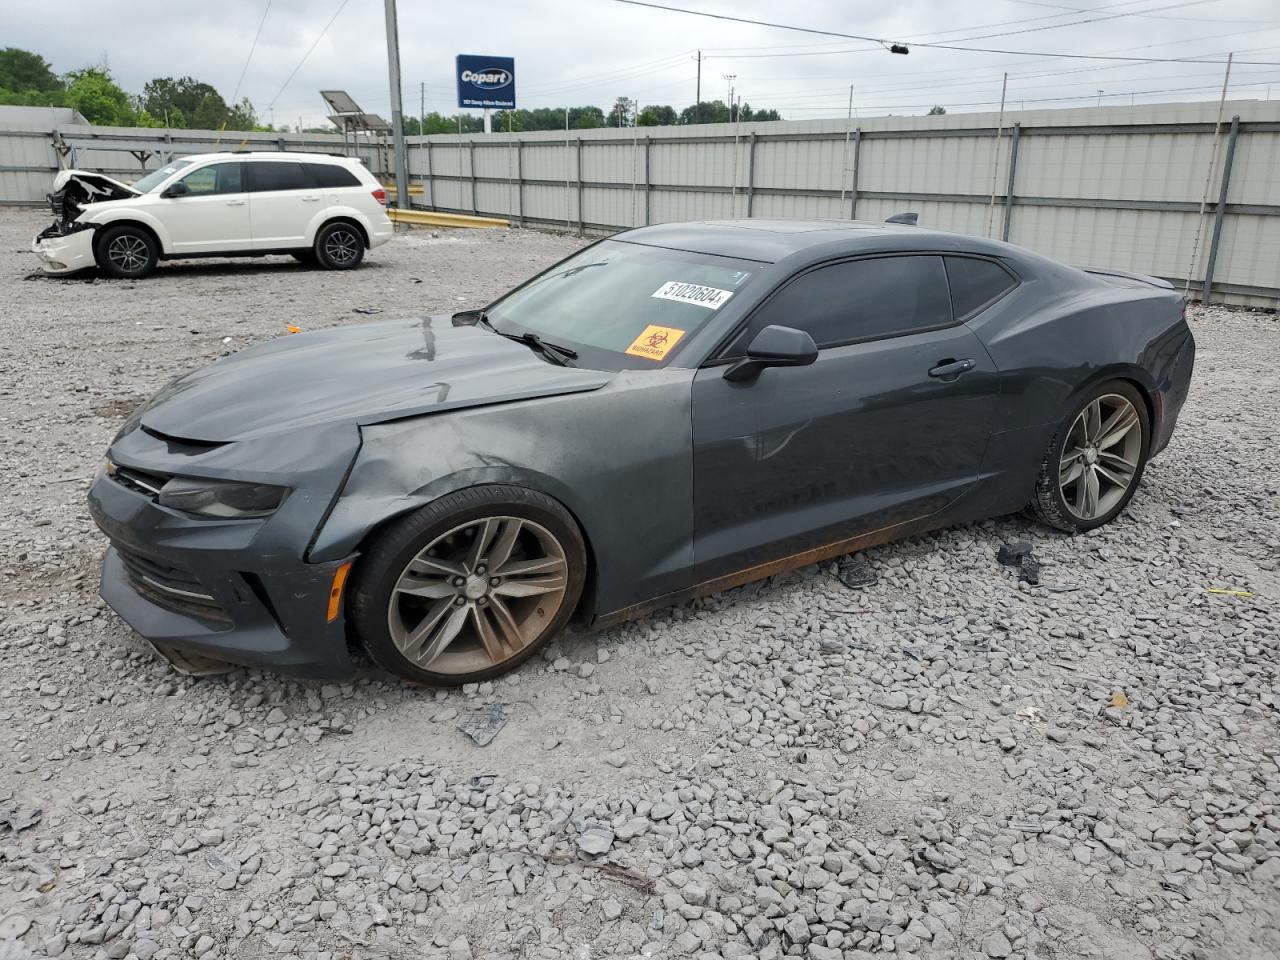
486,82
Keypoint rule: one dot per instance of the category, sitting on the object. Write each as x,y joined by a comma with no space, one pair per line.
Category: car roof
770,241
266,155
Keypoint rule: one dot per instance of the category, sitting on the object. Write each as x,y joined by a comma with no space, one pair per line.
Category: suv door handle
310,197
235,203
950,369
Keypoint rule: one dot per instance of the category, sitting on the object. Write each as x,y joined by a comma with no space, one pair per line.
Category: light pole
397,108
730,77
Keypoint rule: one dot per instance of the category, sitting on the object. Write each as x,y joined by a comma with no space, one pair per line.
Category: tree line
27,79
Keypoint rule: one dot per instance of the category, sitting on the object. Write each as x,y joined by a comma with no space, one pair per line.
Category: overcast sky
592,51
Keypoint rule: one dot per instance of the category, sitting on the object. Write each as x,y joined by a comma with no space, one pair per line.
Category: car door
282,202
212,216
889,424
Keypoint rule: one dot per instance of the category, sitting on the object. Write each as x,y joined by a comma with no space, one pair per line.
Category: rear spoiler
1126,275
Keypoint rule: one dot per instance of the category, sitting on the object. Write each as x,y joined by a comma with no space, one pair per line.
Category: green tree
656,116
708,111
936,111
21,70
98,98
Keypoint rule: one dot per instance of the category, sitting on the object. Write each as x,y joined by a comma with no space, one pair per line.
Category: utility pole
697,96
1099,98
397,106
730,77
422,109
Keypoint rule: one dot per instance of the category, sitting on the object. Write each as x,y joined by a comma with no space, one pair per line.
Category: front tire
1095,461
126,252
470,586
339,246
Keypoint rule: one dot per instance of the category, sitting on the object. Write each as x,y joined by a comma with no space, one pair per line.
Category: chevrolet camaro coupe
669,412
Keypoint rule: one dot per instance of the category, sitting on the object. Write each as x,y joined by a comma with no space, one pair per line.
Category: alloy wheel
478,595
1100,457
341,246
129,253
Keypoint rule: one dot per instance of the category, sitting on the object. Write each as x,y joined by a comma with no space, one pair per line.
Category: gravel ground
946,763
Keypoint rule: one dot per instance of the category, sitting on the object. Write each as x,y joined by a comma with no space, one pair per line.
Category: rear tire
126,252
339,246
1095,461
470,586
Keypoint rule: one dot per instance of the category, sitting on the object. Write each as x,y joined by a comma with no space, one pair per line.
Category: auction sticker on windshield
654,342
713,298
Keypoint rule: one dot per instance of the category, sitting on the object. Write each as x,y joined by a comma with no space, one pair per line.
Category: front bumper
66,253
209,588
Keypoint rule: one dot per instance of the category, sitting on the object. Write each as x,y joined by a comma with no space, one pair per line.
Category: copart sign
486,81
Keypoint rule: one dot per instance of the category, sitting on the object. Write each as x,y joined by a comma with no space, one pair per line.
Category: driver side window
856,300
215,178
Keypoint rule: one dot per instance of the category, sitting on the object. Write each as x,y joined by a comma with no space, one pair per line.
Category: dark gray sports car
668,412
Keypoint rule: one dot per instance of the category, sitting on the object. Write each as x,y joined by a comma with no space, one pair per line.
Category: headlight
222,499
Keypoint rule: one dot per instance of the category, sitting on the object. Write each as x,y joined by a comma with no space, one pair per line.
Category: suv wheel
126,252
339,246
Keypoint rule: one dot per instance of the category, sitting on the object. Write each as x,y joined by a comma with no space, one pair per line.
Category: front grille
170,587
139,481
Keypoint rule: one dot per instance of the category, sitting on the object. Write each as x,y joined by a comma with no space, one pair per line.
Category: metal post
520,182
428,190
697,96
1008,191
397,107
844,157
580,218
471,168
853,187
566,168
751,174
995,158
1221,211
648,143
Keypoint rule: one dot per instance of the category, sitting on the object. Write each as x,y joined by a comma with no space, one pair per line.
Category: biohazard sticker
654,342
713,298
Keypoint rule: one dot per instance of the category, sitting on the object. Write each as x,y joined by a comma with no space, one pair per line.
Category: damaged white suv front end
66,245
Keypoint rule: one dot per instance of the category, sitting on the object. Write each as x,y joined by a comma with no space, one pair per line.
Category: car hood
364,374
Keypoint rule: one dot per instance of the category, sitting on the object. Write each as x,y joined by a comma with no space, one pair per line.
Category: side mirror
179,189
774,346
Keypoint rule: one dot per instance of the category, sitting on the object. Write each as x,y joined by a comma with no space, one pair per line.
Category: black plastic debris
366,310
1018,554
854,571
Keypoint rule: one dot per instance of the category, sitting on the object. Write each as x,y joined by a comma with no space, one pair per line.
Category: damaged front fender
66,245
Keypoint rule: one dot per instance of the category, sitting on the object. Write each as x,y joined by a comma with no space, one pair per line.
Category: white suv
321,209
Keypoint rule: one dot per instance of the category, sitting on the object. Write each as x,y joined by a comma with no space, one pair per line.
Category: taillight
381,196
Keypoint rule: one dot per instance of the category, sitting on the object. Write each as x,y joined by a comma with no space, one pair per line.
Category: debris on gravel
953,766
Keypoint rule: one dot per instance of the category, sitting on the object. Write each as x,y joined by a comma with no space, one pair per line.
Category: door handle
311,198
235,203
950,369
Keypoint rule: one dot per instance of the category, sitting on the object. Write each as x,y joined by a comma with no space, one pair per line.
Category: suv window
859,300
215,178
976,284
278,175
330,175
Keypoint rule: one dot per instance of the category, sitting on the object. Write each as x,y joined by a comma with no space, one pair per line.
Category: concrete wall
1111,186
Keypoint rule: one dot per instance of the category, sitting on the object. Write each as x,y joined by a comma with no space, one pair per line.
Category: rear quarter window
976,284
331,175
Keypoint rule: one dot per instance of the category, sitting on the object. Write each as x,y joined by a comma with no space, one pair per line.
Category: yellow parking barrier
432,218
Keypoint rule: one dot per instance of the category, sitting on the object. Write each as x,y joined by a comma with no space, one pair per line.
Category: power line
935,46
311,48
252,46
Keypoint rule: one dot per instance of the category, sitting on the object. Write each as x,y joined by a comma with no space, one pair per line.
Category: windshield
624,304
157,177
